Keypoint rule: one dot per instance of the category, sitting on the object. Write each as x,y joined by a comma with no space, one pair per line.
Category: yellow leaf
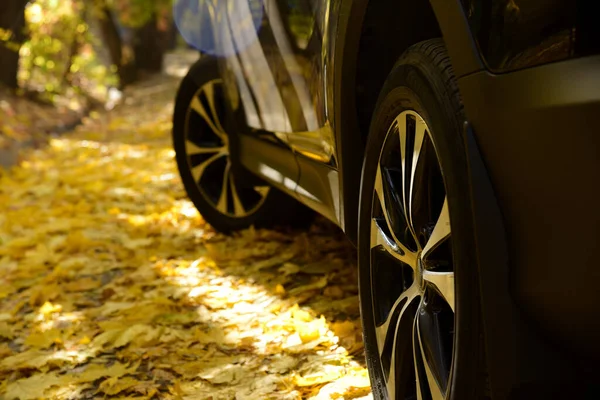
300,314
33,387
228,373
6,290
82,285
44,339
324,375
335,292
144,331
112,386
6,332
279,289
38,359
318,284
85,340
105,337
96,371
140,333
133,244
309,331
343,329
194,368
45,293
49,308
111,307
348,387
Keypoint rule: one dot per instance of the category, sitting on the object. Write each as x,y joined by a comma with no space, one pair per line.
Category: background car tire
276,208
422,82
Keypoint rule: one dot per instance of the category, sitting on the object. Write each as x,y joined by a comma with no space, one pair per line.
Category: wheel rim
411,268
208,155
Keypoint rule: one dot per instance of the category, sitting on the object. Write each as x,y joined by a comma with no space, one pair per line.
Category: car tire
419,292
202,132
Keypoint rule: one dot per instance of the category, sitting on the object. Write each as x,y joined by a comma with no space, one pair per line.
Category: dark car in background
456,143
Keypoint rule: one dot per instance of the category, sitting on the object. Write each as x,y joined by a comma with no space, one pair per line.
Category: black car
456,142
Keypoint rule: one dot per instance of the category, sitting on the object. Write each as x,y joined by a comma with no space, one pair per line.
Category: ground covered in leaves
112,285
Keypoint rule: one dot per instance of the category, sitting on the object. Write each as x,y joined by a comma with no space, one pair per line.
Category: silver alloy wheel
208,155
412,275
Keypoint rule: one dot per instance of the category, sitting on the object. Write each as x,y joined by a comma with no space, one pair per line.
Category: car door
278,69
300,29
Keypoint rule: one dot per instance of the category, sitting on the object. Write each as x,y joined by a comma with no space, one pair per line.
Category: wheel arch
362,60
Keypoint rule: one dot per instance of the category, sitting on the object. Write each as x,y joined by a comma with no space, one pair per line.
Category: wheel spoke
401,123
415,149
432,384
390,326
443,282
222,204
192,149
262,190
441,231
416,357
209,89
395,249
401,350
410,257
215,126
238,207
199,169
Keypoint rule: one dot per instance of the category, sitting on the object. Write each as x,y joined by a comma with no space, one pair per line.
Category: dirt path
112,285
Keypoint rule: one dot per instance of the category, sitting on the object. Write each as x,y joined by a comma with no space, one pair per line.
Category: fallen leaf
6,332
228,373
318,284
43,340
33,387
326,374
115,385
82,285
96,371
335,292
310,331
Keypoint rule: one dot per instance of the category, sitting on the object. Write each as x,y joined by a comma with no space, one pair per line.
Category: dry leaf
318,284
33,387
43,340
227,373
326,374
96,371
112,386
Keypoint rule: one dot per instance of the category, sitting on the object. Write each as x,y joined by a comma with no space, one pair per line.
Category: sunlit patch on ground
112,285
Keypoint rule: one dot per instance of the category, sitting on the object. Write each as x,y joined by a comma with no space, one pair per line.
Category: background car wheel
417,278
202,135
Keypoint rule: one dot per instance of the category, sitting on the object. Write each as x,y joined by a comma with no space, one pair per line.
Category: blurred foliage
135,13
63,52
59,54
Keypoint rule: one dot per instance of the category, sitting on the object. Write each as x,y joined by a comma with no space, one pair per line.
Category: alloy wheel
207,147
411,264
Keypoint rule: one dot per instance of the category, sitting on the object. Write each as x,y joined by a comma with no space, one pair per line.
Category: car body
302,88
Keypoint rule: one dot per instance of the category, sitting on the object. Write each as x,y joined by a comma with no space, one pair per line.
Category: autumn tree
12,35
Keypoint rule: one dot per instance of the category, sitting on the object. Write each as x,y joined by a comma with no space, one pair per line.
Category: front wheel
418,286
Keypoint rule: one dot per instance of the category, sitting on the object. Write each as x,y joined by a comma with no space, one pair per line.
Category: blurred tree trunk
12,18
110,33
150,45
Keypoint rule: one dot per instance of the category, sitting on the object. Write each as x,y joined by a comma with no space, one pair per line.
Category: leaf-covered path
112,285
